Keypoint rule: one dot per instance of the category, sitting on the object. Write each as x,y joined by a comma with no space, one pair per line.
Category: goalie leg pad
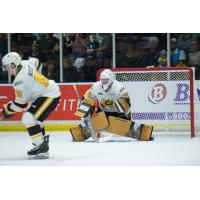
120,126
99,121
142,132
79,133
146,132
129,128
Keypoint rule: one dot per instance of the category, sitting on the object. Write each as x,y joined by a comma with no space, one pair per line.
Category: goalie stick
75,88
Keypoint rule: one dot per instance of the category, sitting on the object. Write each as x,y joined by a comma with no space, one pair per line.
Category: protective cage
164,97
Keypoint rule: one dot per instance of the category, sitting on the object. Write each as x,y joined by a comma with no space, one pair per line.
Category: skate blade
39,156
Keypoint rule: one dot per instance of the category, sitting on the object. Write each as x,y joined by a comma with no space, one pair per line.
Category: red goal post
162,95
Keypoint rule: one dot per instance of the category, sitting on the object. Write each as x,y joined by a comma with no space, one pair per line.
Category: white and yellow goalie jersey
116,99
29,85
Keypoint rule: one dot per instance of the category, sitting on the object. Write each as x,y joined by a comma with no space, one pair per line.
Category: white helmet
11,58
107,77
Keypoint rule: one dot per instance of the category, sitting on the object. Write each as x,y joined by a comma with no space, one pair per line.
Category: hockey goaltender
113,113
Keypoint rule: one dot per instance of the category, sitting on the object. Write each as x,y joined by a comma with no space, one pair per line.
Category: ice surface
166,149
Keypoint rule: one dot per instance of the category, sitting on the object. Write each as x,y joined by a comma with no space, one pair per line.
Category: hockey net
164,97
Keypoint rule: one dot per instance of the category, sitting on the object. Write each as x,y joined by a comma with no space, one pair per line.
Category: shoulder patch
18,83
125,95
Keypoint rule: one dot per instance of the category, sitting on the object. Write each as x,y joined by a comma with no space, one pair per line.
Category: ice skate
41,151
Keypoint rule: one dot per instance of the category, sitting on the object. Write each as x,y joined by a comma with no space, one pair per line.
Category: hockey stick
75,88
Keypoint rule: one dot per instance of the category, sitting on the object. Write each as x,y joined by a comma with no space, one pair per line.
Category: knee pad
28,119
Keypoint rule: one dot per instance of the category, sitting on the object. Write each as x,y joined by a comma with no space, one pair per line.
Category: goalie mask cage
164,97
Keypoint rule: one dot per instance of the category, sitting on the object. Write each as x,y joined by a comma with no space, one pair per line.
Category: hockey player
34,89
114,101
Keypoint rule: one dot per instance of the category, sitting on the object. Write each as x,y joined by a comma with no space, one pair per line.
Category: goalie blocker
115,125
87,107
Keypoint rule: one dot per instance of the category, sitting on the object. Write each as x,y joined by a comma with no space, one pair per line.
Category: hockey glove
7,112
86,108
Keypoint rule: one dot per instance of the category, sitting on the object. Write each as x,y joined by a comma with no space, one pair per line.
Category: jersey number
41,79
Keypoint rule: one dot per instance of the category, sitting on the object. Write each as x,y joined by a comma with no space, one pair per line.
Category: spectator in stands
36,53
162,59
184,40
17,37
68,40
3,44
132,52
194,57
92,46
176,53
99,38
134,56
70,73
194,54
153,52
52,70
79,64
182,61
15,47
48,44
89,70
104,52
79,46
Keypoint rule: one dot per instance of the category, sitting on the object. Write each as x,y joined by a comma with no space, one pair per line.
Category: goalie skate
104,136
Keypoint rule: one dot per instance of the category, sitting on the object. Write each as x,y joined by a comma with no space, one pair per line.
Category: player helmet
11,58
107,77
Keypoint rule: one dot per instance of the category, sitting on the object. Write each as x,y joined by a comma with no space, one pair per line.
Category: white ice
166,149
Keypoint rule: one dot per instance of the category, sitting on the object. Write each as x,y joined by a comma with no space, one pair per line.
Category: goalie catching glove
122,105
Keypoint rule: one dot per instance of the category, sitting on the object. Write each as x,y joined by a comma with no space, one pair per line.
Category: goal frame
191,81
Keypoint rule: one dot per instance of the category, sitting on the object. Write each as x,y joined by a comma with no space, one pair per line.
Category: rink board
49,126
176,113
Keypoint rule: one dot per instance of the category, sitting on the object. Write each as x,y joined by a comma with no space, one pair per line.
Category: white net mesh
162,97
151,75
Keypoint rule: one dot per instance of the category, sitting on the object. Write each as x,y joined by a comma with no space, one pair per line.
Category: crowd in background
85,53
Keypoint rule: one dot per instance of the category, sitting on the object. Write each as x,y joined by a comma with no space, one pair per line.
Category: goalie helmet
9,59
106,78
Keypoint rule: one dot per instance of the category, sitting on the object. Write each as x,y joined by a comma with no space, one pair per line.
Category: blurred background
76,57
